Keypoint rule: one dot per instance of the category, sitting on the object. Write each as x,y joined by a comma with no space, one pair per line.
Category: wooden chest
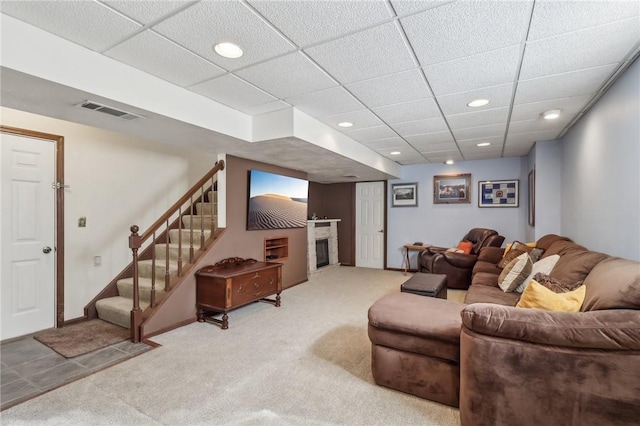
220,289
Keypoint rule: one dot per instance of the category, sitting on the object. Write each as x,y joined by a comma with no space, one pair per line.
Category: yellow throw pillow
539,297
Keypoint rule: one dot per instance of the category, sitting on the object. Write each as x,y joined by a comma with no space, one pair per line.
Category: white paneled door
370,224
27,251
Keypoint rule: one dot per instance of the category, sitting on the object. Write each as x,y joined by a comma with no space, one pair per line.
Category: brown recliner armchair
458,266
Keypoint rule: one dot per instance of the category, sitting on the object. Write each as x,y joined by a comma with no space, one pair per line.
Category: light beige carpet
305,363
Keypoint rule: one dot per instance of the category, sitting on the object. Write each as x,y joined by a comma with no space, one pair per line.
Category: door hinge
58,185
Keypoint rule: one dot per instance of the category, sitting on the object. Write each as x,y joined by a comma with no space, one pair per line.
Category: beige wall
236,241
115,181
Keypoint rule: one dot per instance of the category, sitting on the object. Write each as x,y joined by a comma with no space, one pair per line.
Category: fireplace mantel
321,229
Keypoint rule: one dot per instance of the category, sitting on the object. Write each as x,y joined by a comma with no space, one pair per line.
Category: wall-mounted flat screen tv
276,201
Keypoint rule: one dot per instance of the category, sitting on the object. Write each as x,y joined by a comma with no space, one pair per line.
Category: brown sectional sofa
524,366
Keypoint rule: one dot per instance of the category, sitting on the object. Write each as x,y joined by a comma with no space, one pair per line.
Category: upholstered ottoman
423,284
415,346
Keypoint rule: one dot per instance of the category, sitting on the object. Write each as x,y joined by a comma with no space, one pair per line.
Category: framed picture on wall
498,193
452,189
404,195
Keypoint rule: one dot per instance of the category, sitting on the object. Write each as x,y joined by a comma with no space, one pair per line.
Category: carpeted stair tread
117,310
145,266
206,208
198,222
174,249
125,288
186,236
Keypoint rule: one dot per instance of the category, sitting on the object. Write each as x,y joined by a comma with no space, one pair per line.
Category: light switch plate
82,222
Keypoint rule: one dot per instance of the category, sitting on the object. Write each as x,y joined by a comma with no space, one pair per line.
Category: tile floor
30,368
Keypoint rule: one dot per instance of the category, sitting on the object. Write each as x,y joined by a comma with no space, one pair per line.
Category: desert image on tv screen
276,201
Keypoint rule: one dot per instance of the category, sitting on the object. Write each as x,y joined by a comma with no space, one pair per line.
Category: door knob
46,249
382,230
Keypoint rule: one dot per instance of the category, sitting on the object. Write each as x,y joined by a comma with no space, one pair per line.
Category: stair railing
158,233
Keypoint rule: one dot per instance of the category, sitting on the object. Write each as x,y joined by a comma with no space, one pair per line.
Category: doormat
82,338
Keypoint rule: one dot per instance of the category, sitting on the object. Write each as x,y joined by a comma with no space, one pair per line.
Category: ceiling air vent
125,115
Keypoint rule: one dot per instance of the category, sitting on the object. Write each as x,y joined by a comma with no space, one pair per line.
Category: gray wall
600,172
548,196
446,224
587,187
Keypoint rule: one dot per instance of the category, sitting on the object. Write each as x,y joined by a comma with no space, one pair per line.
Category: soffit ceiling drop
401,71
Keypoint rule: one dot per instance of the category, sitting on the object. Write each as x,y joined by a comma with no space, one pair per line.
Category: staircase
163,257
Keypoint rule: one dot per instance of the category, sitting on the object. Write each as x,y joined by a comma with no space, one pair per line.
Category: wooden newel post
135,242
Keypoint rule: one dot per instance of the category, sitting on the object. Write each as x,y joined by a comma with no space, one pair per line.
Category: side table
407,248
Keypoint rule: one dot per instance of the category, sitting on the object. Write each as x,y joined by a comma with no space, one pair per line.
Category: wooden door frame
59,170
384,220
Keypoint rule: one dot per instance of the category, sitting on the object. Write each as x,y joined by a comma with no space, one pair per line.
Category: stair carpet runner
117,309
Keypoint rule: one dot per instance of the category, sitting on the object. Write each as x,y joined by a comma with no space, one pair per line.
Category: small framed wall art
498,193
404,195
452,189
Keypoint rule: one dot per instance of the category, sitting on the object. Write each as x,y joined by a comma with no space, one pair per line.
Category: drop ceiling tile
287,76
563,85
568,107
378,51
587,48
480,131
498,96
372,133
418,127
406,154
361,119
145,11
479,118
465,28
408,111
429,147
201,26
265,108
552,17
152,53
427,138
418,159
538,125
496,141
89,24
409,7
326,102
441,157
391,89
233,92
474,72
309,22
387,143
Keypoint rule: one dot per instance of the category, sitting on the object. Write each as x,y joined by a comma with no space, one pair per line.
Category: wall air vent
125,115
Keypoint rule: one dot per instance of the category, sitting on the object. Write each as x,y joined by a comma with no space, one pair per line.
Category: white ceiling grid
401,71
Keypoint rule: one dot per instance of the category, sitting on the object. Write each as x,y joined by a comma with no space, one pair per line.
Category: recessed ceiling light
478,103
395,153
551,114
345,124
228,50
484,144
448,162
